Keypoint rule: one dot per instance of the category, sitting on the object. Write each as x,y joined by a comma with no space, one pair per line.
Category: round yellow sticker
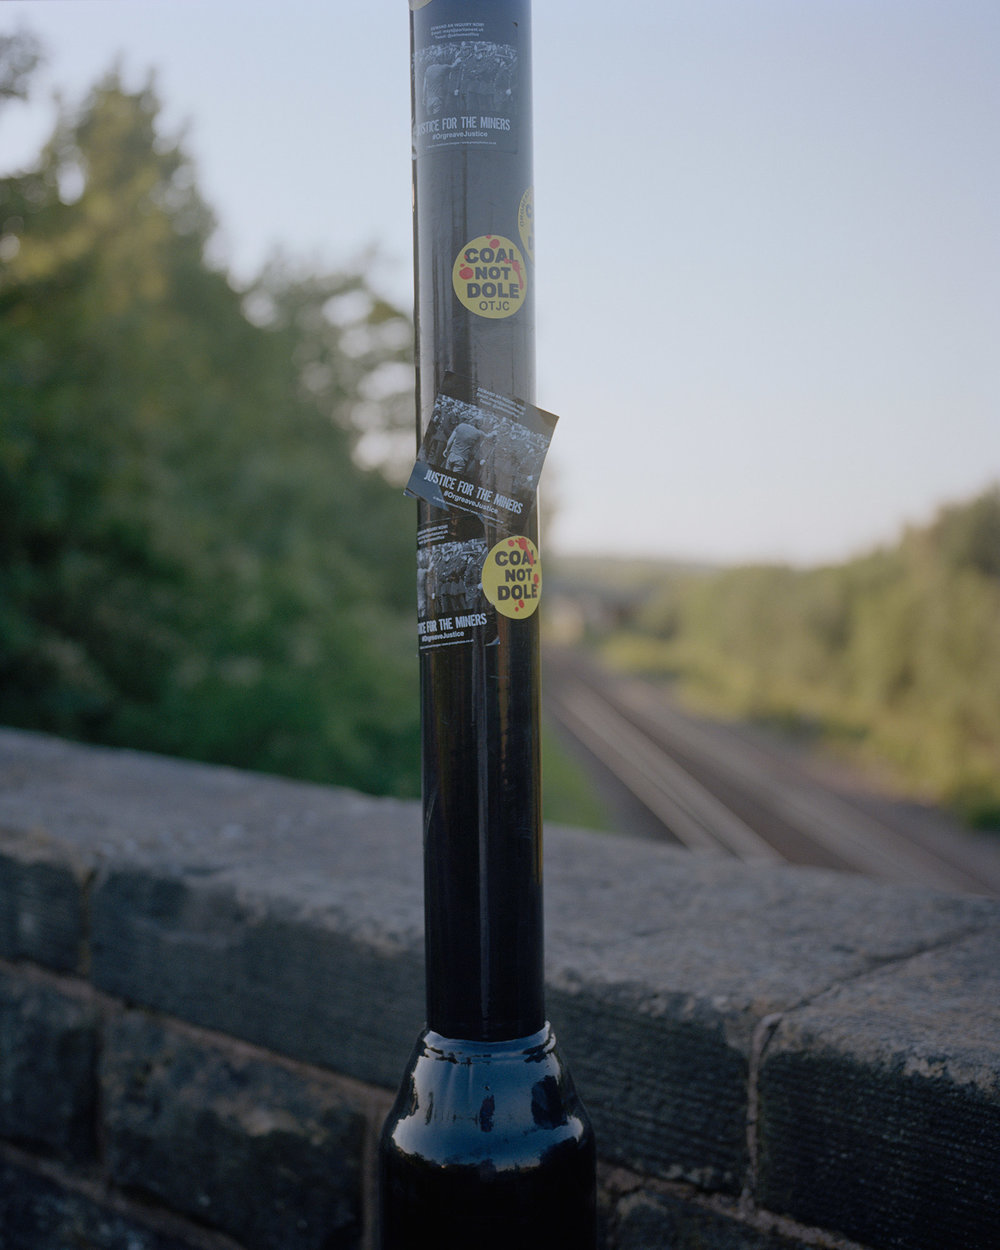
490,276
512,577
526,221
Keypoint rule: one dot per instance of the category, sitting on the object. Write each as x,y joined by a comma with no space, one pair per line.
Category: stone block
667,1095
286,913
290,974
266,1153
42,901
651,1221
662,967
880,1104
38,1213
48,1068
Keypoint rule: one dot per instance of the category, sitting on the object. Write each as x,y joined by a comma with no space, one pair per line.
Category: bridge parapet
211,980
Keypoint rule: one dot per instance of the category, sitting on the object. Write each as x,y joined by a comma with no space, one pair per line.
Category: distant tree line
191,560
894,655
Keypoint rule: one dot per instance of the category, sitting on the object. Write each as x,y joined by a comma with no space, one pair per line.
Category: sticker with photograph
481,453
466,75
451,606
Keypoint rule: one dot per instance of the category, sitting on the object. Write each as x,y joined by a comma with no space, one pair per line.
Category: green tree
190,559
895,654
967,536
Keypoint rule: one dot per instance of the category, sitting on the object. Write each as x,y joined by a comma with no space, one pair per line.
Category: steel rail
868,845
695,816
641,740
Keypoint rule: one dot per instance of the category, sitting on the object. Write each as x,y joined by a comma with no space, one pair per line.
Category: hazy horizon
768,286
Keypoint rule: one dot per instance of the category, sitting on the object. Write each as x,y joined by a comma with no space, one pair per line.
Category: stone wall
210,982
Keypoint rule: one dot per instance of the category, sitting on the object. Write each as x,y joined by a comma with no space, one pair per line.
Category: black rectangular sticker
466,74
481,453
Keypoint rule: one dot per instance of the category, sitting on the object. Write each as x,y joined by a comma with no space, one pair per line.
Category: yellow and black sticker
526,222
512,577
490,276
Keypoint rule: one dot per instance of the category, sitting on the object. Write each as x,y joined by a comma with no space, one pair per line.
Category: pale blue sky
768,256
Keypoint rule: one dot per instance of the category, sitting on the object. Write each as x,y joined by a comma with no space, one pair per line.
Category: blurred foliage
191,560
569,796
895,656
19,56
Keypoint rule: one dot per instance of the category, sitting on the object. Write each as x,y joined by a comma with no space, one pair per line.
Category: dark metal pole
487,1145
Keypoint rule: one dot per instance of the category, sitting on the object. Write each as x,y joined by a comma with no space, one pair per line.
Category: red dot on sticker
536,579
510,542
465,273
494,242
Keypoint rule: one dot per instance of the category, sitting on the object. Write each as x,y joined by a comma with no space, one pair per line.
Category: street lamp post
487,1145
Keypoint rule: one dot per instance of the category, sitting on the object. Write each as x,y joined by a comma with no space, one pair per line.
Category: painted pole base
487,1148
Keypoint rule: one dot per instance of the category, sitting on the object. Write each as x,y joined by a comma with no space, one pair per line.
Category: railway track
723,792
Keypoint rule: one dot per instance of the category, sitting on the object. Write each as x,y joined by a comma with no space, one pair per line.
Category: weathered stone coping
798,1043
